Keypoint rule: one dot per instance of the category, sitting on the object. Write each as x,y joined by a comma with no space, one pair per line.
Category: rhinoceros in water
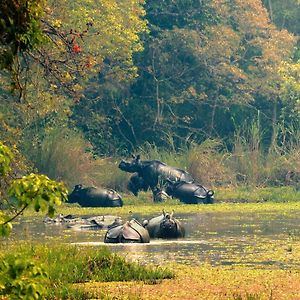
85,223
130,232
164,226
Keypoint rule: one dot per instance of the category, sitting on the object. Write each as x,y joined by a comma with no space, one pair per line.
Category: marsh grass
251,194
207,163
253,165
168,156
67,265
65,155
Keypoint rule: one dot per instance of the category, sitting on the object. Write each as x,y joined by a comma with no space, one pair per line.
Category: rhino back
173,174
153,226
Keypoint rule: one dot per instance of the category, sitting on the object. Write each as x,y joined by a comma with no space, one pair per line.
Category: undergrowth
68,265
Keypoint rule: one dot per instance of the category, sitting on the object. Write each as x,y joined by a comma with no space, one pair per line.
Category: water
263,240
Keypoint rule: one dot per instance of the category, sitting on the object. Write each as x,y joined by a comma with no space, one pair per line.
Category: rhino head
170,227
131,166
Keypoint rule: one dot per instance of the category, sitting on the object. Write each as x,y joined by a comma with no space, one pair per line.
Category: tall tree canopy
206,69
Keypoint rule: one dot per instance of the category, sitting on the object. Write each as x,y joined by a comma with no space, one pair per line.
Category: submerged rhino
152,172
130,232
190,193
78,223
95,197
164,226
97,222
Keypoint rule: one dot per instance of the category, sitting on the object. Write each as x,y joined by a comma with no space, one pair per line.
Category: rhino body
95,197
165,226
130,232
190,193
151,174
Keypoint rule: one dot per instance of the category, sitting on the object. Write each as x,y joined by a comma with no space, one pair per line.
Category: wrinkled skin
130,232
136,184
164,226
95,197
152,172
190,193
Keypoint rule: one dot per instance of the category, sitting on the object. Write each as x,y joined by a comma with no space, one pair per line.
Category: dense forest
212,86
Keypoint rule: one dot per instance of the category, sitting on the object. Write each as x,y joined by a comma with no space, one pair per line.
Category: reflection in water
216,238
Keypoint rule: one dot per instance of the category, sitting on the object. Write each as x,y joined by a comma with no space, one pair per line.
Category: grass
69,265
227,199
213,283
266,194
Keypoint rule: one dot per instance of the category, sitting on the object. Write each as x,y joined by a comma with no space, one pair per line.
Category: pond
260,239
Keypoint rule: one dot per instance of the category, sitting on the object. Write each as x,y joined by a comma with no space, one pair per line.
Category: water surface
267,239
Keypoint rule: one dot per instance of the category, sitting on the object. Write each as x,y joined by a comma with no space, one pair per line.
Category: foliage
207,70
35,190
290,88
199,79
284,14
5,159
21,278
95,264
39,191
20,28
70,40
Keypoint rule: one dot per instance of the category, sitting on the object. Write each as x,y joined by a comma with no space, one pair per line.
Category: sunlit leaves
94,34
5,159
290,87
39,191
5,225
21,278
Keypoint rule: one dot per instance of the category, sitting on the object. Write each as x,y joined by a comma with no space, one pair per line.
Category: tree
21,278
70,39
33,190
285,14
203,79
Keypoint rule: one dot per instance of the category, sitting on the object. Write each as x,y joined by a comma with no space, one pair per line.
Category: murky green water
254,239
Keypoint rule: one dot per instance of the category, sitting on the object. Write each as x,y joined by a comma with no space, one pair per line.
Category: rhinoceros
95,197
136,184
97,222
164,226
190,193
151,173
79,223
130,232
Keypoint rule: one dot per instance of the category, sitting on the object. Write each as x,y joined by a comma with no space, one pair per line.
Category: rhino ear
164,213
172,213
133,156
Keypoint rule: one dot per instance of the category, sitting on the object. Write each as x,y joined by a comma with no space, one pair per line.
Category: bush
64,155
